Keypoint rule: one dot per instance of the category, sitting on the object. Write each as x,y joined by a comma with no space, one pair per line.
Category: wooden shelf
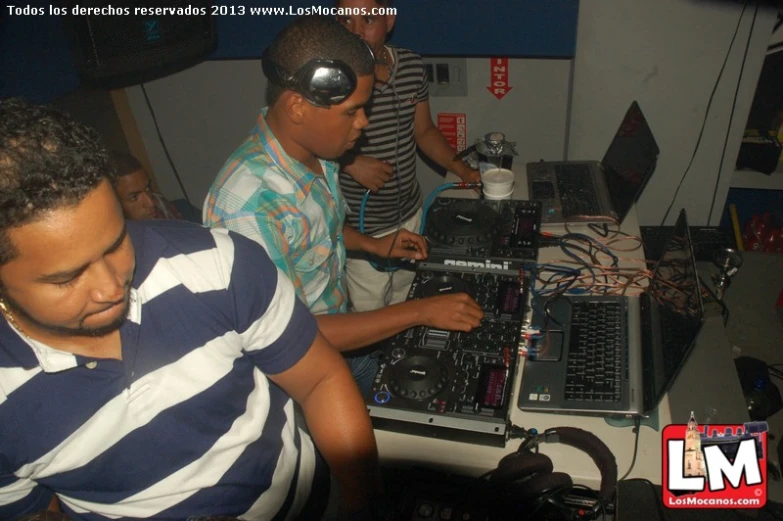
757,180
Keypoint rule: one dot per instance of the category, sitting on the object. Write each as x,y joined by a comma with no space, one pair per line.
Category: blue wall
520,28
35,58
35,61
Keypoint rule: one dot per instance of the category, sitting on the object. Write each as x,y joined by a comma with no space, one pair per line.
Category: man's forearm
355,241
438,149
347,331
340,427
52,513
346,160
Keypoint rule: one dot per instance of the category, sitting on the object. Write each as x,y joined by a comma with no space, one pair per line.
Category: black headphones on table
529,489
322,82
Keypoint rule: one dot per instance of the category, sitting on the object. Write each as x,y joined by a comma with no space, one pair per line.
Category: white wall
207,110
533,114
777,36
664,53
667,55
203,113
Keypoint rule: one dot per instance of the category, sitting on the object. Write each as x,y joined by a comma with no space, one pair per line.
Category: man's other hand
369,172
406,245
469,175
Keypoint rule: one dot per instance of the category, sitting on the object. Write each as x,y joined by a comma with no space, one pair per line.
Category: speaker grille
168,35
117,51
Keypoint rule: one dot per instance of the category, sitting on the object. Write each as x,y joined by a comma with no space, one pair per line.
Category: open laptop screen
630,161
675,299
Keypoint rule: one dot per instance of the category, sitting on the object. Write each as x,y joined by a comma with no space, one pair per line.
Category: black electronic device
481,233
705,240
451,384
759,152
125,44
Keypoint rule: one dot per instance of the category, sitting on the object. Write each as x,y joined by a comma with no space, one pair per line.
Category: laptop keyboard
577,193
542,190
595,352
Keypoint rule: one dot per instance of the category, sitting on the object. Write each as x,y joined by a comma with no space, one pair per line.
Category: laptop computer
616,355
597,191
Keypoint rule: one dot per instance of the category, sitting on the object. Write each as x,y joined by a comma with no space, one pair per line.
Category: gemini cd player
492,233
452,384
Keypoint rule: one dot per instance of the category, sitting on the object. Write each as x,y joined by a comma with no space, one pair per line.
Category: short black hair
48,161
124,163
317,37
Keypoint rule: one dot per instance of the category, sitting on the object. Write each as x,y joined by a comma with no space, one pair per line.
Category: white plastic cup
489,197
497,183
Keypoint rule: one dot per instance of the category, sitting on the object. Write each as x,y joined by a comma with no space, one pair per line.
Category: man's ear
295,106
390,19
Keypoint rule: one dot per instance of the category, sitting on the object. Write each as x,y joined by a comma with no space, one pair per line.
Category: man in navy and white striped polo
147,370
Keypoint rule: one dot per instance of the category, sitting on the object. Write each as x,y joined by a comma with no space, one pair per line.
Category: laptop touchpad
548,348
543,190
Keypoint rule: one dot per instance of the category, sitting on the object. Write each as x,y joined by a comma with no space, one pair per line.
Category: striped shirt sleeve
424,90
20,496
275,326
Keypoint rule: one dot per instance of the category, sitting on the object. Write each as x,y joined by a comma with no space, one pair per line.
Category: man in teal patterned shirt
280,188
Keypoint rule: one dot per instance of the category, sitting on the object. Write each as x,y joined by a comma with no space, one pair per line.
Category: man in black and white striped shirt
384,159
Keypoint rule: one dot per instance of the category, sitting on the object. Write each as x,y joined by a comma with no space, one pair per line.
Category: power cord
163,144
637,427
387,267
731,115
706,113
389,289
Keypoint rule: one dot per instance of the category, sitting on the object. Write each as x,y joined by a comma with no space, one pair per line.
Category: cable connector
516,432
548,240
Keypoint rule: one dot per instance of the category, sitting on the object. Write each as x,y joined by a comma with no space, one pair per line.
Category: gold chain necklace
10,318
384,62
386,58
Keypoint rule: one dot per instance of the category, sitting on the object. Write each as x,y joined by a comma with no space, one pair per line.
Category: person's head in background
134,187
372,28
302,122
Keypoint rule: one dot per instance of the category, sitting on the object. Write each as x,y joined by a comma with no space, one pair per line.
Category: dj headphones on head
527,486
321,82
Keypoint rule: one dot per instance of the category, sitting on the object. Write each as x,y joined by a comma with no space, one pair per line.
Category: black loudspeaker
127,43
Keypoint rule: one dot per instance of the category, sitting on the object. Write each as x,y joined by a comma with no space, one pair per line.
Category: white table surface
470,459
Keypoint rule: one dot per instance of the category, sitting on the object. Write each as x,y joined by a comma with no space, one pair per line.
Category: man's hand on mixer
403,244
454,312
